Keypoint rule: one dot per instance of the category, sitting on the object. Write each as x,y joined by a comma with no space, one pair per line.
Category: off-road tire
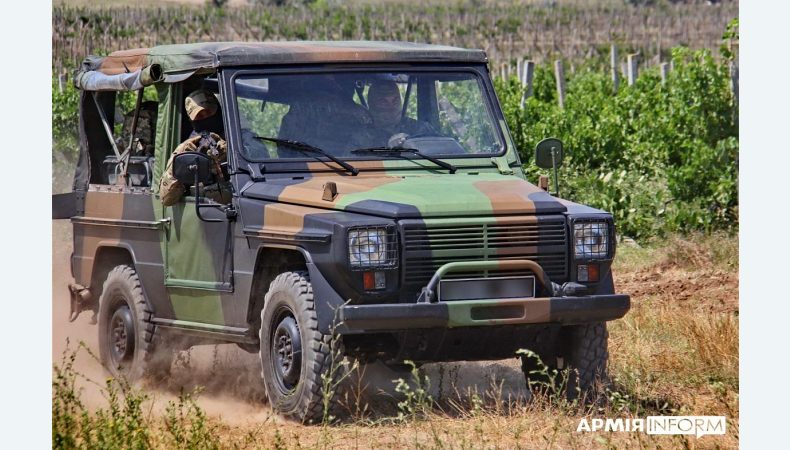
123,302
290,295
540,374
587,359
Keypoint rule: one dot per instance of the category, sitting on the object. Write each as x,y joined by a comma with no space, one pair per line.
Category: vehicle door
198,260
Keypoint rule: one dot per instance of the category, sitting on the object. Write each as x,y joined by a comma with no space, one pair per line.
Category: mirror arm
194,168
554,165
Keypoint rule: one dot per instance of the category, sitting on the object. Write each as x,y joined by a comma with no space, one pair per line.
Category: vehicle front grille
428,244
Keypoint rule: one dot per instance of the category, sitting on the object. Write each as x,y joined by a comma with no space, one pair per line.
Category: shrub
660,157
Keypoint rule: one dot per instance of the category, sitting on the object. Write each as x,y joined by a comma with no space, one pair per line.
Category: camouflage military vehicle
428,244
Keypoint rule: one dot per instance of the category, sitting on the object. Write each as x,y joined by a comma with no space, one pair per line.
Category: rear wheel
126,334
294,353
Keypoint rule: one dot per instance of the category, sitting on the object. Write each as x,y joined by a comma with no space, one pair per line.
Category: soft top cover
210,55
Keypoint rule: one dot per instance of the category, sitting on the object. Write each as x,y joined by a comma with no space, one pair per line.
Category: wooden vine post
559,74
632,69
615,73
526,82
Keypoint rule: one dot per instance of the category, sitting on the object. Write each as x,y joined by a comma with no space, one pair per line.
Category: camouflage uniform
199,105
171,190
144,134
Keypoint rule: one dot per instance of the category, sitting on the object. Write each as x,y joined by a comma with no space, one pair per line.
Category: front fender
327,301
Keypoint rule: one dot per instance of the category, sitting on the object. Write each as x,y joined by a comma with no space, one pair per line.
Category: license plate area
486,288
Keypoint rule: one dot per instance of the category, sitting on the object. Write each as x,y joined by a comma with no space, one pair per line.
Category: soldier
386,108
329,119
144,133
206,116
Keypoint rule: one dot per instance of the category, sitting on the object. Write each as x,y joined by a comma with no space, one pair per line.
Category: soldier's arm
170,189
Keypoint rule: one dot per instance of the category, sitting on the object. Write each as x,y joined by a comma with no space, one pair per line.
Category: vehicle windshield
438,113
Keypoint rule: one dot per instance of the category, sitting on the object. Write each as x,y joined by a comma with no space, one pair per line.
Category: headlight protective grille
593,238
373,247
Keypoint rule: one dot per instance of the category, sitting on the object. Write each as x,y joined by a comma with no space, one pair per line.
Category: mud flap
81,300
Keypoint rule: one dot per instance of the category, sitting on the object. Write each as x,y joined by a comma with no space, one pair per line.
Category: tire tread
309,407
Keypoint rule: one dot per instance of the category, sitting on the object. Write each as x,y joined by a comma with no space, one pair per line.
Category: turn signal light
374,280
368,281
587,273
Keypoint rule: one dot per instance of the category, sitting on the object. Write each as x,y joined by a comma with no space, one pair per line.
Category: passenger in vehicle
205,114
386,109
328,118
144,133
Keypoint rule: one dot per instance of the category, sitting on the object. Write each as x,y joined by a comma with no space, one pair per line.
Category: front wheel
582,351
295,356
587,358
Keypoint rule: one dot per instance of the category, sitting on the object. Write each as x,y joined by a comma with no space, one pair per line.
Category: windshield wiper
307,148
413,151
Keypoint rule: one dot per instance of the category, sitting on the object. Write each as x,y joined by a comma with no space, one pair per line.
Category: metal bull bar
428,294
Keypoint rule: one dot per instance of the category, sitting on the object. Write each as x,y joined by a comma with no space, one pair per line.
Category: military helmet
201,104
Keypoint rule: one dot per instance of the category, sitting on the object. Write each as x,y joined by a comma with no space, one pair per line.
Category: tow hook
81,300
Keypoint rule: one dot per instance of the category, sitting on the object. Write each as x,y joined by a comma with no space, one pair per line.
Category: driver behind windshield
386,109
327,117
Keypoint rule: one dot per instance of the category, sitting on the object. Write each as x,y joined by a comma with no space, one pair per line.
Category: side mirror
548,155
193,169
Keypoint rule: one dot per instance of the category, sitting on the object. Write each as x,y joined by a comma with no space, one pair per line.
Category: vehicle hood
419,196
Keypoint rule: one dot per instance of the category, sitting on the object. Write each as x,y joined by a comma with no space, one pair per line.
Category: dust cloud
228,378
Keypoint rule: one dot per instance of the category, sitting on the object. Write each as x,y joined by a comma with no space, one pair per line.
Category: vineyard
507,31
661,155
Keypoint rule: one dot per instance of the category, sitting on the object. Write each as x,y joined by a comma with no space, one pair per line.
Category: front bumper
467,313
429,312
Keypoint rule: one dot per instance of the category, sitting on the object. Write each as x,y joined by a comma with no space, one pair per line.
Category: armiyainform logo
697,425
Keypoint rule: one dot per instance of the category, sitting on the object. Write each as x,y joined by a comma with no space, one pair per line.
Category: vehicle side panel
121,218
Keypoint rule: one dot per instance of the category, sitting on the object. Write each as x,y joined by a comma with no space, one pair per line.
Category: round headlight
367,248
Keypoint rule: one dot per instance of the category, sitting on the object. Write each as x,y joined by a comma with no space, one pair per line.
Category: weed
122,422
417,400
279,442
186,425
338,372
120,425
549,385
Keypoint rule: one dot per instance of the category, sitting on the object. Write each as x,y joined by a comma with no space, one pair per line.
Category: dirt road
230,377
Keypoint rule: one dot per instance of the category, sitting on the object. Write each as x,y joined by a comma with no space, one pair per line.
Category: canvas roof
210,55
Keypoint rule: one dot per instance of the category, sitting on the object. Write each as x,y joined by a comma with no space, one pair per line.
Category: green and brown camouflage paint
203,275
179,58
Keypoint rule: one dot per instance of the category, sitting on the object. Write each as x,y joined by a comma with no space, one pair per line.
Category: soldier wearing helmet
205,114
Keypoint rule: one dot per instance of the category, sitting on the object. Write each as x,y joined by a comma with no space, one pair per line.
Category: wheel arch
270,261
108,256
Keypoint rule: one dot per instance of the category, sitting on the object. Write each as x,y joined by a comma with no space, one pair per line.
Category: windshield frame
480,73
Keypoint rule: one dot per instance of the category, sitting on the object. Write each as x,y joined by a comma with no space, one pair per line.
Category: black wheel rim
286,351
121,337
